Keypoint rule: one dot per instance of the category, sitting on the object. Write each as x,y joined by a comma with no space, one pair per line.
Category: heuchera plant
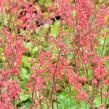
55,48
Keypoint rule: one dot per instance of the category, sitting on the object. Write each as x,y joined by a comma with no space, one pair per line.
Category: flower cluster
48,50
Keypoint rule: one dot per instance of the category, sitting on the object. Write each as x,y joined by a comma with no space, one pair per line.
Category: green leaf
25,61
55,28
24,73
100,1
35,51
24,97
